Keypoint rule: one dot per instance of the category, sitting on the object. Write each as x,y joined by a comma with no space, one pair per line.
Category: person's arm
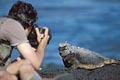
35,57
14,32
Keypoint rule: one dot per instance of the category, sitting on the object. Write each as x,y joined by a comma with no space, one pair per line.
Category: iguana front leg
75,63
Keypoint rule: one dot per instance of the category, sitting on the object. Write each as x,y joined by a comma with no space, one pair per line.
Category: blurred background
92,24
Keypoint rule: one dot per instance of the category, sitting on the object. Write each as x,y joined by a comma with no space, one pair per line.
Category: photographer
15,29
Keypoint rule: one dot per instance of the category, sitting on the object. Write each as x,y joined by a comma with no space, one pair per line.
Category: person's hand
42,38
39,35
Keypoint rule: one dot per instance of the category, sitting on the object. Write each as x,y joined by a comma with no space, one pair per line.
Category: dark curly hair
24,13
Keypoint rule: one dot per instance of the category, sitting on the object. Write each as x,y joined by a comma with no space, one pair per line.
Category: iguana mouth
61,48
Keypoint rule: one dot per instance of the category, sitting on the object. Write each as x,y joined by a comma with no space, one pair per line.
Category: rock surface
107,72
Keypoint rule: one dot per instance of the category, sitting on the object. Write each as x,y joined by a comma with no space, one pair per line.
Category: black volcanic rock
107,72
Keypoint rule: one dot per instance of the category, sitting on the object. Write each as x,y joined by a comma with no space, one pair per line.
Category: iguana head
68,54
66,48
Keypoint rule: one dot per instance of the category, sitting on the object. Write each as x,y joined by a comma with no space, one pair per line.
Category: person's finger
39,35
46,37
46,30
38,32
47,33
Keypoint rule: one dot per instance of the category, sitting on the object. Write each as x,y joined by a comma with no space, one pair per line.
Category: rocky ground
108,72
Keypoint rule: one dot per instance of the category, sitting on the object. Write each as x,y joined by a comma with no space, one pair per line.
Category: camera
33,36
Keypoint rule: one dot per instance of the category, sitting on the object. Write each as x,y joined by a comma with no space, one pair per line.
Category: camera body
33,36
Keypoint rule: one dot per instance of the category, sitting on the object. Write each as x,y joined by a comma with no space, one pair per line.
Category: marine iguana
77,57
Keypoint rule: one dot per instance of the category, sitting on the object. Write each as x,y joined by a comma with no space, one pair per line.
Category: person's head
24,13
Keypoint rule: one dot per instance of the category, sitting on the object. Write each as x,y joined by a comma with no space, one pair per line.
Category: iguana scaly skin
76,57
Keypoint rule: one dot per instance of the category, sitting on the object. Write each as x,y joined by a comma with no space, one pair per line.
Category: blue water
92,24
